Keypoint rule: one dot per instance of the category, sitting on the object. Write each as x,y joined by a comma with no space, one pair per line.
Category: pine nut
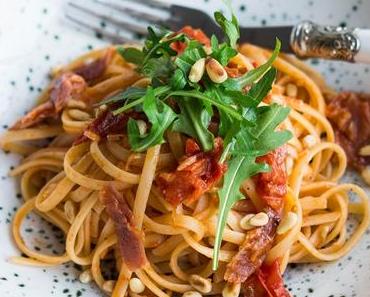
288,222
365,151
153,240
307,171
292,151
260,219
277,99
309,141
211,241
208,50
191,294
100,109
108,286
78,115
136,285
194,259
242,61
366,174
289,164
197,70
244,222
215,71
70,211
76,104
231,290
201,284
291,90
142,126
85,277
187,162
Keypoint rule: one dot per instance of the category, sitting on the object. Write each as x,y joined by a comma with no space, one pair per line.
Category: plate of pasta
184,166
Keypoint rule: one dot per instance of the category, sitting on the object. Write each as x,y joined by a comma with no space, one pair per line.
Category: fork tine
153,3
121,24
115,38
132,12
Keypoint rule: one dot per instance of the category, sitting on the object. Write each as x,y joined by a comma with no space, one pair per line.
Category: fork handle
310,40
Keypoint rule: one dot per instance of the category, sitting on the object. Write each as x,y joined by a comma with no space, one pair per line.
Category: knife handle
310,40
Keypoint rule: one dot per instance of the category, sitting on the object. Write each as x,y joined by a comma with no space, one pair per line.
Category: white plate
34,37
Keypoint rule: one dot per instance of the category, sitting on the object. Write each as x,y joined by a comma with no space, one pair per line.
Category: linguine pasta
62,183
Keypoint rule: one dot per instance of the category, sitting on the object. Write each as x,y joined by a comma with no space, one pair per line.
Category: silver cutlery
305,39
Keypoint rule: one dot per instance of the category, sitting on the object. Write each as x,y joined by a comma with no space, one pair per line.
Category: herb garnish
247,127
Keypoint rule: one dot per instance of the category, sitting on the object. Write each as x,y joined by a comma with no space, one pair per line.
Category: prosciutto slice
271,187
130,240
195,175
64,88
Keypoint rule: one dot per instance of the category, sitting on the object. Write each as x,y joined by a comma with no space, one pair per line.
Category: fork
306,39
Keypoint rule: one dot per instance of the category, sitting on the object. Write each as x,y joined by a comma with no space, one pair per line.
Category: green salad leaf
239,169
230,27
178,81
222,52
194,120
159,114
158,92
131,93
249,143
248,78
193,52
172,101
131,55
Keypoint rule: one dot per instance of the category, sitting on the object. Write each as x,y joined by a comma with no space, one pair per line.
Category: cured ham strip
64,88
195,175
253,251
106,124
195,34
272,188
349,113
267,281
95,69
130,240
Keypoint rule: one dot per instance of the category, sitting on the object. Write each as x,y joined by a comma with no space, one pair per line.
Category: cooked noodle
179,241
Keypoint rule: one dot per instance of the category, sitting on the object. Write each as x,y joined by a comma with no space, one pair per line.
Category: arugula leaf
194,120
159,91
239,169
239,83
247,128
160,68
224,53
160,46
231,28
192,53
260,89
159,115
131,55
221,106
154,60
178,80
247,144
154,36
214,43
130,93
269,117
254,96
226,121
267,139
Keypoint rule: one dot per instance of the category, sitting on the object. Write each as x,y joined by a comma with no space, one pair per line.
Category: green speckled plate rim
42,39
